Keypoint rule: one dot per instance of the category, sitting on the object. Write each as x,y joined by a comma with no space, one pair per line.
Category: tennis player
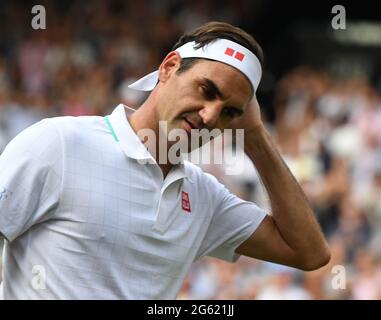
88,212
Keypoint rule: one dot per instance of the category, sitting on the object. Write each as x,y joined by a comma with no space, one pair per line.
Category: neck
143,118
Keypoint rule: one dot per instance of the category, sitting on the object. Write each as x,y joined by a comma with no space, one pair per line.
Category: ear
169,66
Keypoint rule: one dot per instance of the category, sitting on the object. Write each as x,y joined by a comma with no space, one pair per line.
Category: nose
210,114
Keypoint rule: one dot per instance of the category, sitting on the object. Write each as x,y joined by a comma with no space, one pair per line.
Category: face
209,95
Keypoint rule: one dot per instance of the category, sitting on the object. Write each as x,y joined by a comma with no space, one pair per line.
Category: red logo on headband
238,55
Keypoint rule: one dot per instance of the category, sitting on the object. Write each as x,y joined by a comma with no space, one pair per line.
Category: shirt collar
130,143
125,135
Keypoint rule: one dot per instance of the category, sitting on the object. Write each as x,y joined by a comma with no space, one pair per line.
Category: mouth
188,126
191,124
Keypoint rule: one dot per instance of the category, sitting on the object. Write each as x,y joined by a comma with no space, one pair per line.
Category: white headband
222,50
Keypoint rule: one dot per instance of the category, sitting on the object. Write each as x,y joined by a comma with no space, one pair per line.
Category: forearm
290,209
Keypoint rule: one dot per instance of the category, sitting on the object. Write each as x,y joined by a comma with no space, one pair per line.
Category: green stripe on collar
111,129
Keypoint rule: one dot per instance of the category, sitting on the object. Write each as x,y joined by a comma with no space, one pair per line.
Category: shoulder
34,138
38,146
76,124
40,136
61,124
83,129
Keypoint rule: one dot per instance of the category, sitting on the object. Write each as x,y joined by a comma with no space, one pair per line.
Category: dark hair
211,31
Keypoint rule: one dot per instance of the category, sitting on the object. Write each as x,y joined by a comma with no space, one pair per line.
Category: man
88,211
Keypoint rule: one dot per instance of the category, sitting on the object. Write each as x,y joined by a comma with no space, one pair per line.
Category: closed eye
208,93
210,90
232,112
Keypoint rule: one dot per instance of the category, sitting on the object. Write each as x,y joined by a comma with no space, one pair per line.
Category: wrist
254,135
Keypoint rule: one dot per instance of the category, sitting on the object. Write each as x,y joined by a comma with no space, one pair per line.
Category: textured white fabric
76,204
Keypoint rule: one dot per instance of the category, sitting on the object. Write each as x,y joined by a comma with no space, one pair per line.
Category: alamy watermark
339,280
39,277
177,145
339,20
39,18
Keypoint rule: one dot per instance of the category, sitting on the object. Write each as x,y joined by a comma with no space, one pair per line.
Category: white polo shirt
85,220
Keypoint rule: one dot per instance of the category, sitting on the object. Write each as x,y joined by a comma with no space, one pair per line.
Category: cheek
183,99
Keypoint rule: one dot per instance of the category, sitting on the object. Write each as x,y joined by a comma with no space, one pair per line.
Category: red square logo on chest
185,204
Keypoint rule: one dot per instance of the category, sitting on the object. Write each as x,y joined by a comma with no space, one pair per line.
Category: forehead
229,80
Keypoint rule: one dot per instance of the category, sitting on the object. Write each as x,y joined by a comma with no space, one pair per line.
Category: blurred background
320,98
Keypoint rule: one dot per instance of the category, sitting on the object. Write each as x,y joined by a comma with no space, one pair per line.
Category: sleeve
233,221
30,178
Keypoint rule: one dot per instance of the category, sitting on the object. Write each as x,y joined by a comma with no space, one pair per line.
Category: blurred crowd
327,128
89,52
